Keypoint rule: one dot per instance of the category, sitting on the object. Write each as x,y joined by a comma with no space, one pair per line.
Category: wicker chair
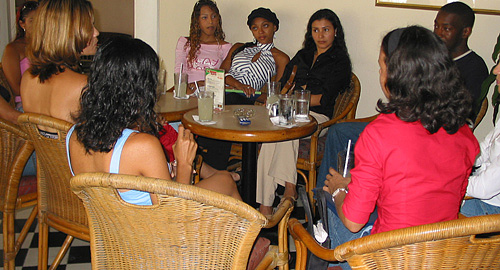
311,149
15,191
6,85
444,245
189,228
58,207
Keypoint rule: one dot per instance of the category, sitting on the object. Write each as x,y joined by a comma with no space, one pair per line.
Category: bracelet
336,192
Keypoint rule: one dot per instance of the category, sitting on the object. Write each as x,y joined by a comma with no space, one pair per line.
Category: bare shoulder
15,49
143,142
235,46
278,54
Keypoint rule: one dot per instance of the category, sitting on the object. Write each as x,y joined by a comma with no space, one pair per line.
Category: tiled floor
78,257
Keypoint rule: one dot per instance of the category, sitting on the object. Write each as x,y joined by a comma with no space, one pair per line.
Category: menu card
214,82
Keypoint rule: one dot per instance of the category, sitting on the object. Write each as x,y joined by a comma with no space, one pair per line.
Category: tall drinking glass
273,98
180,84
286,109
205,106
302,99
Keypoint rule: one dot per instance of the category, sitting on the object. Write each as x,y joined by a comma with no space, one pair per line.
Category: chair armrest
285,204
299,233
366,119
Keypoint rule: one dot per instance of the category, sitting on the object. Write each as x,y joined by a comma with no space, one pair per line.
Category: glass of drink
180,84
205,105
345,162
273,92
302,99
286,109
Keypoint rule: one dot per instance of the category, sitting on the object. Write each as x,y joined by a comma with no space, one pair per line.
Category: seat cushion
259,250
27,185
305,147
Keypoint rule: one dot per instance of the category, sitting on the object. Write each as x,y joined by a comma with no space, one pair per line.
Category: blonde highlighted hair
61,30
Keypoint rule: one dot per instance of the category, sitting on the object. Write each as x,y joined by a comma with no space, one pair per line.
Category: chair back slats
55,196
189,228
350,95
15,151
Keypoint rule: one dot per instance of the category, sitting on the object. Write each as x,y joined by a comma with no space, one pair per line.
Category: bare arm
11,68
281,60
184,152
7,112
333,182
315,100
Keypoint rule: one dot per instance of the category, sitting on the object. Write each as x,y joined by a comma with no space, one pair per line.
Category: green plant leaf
496,50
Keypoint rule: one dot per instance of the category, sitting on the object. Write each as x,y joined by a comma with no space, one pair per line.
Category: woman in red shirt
413,161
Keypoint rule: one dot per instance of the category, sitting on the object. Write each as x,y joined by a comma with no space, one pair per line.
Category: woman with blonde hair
62,31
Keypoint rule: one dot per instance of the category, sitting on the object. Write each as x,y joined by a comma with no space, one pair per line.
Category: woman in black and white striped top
250,65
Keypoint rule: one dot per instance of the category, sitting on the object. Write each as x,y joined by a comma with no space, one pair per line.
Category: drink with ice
286,109
205,106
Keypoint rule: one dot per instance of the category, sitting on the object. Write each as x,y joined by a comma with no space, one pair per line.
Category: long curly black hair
339,40
423,81
121,93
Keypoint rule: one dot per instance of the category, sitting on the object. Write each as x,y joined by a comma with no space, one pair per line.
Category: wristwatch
337,192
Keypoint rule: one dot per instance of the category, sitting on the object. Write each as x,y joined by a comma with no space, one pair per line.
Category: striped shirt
255,73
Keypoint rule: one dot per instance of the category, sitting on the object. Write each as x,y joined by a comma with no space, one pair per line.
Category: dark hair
423,81
263,13
257,13
24,10
338,42
193,42
121,93
466,13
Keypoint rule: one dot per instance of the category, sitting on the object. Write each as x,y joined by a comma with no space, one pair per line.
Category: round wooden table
172,109
260,130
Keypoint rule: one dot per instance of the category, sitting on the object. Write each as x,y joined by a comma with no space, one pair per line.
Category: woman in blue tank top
116,128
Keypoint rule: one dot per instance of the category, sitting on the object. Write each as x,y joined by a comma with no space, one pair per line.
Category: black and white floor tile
78,256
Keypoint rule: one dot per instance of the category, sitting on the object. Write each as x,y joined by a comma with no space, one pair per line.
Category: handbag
314,262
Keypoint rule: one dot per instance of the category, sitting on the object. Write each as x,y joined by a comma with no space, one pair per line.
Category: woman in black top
324,68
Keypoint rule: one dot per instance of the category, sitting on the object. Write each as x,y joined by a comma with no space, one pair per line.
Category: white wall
364,25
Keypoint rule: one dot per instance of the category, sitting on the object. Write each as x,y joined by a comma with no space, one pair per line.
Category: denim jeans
339,234
30,167
336,141
476,207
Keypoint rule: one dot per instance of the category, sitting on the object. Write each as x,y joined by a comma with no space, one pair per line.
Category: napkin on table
197,119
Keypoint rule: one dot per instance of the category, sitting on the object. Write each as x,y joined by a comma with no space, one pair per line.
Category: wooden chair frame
449,244
15,150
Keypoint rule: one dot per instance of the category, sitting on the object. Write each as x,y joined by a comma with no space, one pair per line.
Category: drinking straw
269,83
197,88
180,78
347,158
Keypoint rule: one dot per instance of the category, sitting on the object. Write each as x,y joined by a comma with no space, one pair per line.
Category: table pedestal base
249,168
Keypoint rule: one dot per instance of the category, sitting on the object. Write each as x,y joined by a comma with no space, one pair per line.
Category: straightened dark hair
338,42
424,83
121,93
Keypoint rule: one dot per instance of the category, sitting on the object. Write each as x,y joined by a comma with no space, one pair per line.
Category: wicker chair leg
9,254
26,228
43,245
62,252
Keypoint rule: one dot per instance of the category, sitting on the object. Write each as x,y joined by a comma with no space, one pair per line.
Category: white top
484,183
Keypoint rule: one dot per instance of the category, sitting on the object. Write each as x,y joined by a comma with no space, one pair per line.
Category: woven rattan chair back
58,206
15,150
6,85
466,243
189,228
